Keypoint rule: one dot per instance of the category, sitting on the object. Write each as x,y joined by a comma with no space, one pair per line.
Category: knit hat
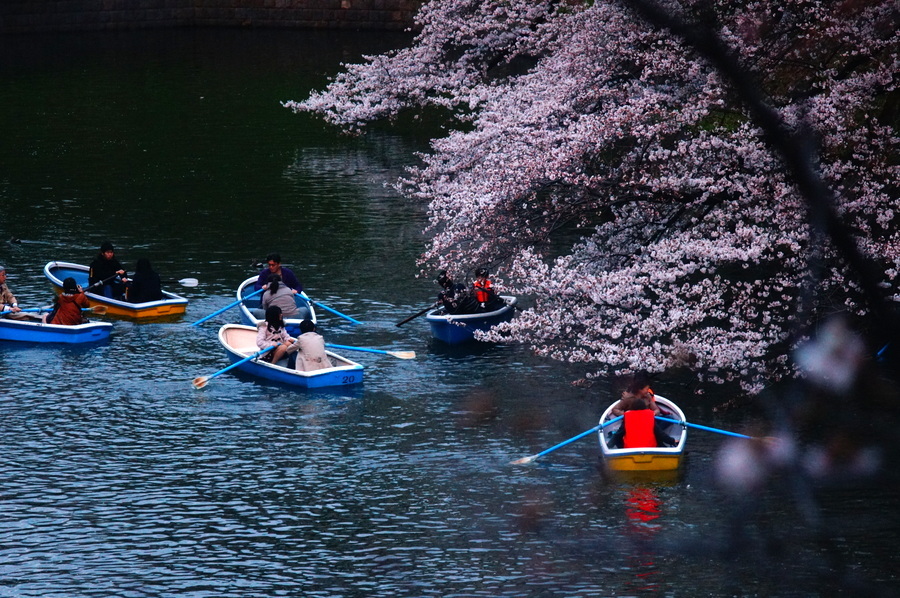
107,246
69,285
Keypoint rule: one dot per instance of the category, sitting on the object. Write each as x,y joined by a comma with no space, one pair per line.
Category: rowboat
170,305
239,341
34,331
252,313
645,458
459,328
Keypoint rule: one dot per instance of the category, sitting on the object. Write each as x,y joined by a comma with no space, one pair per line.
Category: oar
97,309
227,307
201,381
699,427
100,282
416,315
334,311
397,354
524,460
188,282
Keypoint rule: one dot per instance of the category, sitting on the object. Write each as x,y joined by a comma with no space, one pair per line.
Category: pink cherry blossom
606,170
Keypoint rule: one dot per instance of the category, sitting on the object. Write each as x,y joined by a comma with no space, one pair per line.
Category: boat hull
170,305
645,459
247,307
38,332
454,329
239,342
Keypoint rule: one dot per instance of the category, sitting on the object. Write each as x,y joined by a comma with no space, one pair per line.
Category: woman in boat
145,285
273,266
281,295
640,429
484,294
105,268
311,355
271,333
67,311
8,302
638,388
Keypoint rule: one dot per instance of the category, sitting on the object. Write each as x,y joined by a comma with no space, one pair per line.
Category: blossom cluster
604,168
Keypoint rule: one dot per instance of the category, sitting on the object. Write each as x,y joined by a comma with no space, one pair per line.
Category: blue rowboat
645,459
239,342
33,331
252,314
170,305
459,328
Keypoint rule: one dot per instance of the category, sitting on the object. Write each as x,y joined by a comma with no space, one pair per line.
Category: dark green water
120,479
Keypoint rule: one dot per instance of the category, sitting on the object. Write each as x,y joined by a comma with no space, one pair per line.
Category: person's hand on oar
397,354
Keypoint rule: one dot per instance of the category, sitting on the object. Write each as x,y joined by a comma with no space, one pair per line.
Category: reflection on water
120,479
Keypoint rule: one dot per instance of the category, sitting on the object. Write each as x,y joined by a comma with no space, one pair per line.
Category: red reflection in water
643,508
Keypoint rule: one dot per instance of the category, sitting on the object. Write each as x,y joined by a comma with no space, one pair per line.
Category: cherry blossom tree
613,171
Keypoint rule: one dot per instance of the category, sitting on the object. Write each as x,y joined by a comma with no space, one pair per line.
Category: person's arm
291,280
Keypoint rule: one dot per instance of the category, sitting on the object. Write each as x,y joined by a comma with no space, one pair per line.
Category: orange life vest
482,289
639,428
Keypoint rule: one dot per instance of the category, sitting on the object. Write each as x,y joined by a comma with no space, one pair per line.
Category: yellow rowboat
648,459
170,305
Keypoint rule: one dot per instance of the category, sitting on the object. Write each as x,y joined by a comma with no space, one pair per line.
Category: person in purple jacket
273,266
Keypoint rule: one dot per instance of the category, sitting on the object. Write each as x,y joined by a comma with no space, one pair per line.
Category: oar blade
188,282
99,309
200,381
403,354
523,460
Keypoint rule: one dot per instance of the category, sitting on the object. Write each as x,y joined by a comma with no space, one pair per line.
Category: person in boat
274,267
637,388
311,354
640,429
278,293
107,269
68,305
453,296
8,302
145,285
272,333
485,296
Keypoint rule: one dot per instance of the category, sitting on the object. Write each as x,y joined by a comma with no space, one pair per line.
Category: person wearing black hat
106,268
69,304
453,296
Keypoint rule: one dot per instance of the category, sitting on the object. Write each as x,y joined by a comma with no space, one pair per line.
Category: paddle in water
97,309
397,354
524,460
202,381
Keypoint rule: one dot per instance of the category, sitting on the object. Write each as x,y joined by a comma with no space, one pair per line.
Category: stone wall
29,16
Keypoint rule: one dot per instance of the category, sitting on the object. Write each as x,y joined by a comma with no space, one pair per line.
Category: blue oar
227,307
398,354
699,427
334,311
565,442
97,309
201,381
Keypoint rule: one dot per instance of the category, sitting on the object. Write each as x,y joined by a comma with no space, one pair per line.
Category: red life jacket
481,291
639,428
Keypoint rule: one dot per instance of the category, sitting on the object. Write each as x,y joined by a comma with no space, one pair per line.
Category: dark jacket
144,286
